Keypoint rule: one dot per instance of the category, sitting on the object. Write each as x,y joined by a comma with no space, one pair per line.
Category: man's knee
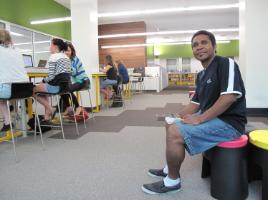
173,134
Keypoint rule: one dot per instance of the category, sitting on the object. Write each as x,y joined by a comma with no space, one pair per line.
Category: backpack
117,101
32,124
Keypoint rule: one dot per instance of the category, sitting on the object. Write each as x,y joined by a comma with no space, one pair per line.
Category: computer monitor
28,60
42,63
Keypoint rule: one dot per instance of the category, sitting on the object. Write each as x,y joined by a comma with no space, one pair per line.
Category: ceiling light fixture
16,34
26,43
45,21
166,33
42,52
144,12
167,10
152,44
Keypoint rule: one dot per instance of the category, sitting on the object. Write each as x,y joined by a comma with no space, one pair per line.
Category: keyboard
36,70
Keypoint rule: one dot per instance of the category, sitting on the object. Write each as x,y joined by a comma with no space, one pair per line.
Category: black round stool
227,165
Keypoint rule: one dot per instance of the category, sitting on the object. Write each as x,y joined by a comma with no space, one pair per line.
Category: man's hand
192,119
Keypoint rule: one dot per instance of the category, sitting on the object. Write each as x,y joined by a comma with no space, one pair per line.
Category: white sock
165,170
171,182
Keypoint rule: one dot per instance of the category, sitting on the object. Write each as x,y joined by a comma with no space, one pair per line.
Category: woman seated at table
111,79
59,71
79,78
11,70
122,71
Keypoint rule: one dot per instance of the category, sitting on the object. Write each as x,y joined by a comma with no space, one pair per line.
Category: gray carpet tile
168,92
99,166
105,164
145,117
258,119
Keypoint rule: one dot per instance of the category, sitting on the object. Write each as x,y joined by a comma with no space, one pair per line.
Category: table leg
97,94
23,118
30,108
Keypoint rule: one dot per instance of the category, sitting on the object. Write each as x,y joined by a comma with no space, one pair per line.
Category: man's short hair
207,33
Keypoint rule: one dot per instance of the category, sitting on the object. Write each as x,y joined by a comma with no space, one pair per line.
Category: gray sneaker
156,173
160,188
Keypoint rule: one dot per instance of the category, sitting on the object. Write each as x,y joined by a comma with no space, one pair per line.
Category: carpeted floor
108,161
146,117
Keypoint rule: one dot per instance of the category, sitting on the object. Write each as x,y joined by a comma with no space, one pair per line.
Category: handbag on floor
79,118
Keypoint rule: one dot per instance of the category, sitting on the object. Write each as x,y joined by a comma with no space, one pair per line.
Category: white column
85,38
253,51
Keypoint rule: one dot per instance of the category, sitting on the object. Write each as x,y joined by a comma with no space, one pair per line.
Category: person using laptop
111,80
80,81
122,70
59,71
11,70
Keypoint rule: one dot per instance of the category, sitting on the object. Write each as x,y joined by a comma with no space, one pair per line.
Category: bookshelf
181,79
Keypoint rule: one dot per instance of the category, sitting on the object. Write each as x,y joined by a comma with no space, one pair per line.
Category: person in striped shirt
80,80
58,79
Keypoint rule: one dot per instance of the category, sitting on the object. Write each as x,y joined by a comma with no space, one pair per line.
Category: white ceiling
227,18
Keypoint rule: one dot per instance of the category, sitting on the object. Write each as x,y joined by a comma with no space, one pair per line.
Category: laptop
28,60
42,63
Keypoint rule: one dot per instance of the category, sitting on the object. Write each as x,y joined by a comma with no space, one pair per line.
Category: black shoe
160,188
156,173
5,128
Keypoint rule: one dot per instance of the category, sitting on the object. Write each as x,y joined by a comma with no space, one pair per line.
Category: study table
41,73
96,77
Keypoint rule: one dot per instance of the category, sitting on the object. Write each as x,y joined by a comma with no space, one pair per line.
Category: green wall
22,12
175,51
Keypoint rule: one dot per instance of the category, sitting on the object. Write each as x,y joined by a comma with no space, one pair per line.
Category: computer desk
32,75
95,76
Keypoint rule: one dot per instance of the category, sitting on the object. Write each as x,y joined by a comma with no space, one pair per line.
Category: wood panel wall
131,56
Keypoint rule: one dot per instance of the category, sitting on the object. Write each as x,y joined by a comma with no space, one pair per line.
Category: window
22,39
171,65
186,64
29,42
41,47
2,25
150,62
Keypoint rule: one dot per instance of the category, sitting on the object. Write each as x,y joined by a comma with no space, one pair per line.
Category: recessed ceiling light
176,32
145,12
168,10
53,20
16,34
152,44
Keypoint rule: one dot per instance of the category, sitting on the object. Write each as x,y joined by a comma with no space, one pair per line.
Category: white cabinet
151,83
156,78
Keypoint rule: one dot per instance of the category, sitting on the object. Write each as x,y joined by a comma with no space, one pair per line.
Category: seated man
217,113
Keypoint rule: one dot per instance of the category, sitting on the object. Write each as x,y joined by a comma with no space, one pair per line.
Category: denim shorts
199,138
52,88
108,82
5,90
